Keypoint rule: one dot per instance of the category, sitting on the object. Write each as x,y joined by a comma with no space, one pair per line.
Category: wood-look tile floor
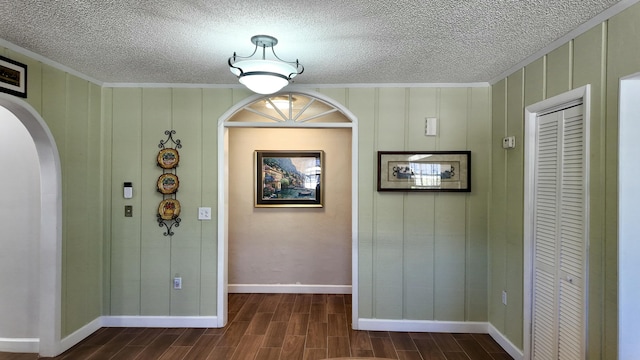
279,327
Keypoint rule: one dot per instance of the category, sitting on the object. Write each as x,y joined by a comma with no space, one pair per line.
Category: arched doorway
50,230
302,110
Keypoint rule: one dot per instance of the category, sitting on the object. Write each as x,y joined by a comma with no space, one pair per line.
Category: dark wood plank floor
279,327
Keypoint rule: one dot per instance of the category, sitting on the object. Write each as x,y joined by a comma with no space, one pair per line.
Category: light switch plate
204,213
431,127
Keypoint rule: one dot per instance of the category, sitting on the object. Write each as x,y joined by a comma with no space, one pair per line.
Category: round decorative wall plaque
169,209
168,183
168,158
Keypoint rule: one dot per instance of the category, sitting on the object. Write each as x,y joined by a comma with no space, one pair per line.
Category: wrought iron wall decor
168,183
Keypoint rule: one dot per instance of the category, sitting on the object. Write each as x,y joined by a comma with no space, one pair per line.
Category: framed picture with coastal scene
289,178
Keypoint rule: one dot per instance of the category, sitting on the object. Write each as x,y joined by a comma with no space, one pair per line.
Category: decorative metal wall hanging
168,183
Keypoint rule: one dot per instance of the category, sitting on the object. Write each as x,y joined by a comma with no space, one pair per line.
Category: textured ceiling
338,41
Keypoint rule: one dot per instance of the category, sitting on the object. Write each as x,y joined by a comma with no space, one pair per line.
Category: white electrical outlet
504,297
204,213
177,283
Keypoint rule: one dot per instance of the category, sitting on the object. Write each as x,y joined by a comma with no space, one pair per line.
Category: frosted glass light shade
264,76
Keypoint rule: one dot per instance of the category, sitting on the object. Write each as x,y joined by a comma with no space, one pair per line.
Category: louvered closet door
558,328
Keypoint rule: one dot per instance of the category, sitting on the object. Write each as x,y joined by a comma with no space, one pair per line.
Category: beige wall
598,57
290,245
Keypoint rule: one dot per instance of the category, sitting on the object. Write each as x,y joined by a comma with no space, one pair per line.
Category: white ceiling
337,41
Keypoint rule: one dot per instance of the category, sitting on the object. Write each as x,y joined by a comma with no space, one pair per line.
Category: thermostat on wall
509,142
128,190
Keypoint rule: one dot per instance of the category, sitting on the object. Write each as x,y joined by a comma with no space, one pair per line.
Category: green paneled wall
599,57
71,107
422,256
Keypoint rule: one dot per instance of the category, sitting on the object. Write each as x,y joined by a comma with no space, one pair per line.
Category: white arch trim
223,203
50,254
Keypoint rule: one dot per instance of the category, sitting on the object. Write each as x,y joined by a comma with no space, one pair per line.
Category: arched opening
49,248
287,121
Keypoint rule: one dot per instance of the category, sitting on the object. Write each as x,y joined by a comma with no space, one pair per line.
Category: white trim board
443,327
20,345
472,327
79,335
628,226
160,321
507,345
288,289
223,204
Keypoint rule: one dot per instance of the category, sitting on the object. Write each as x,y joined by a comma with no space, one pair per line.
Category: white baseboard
288,289
161,321
79,335
20,345
507,345
423,326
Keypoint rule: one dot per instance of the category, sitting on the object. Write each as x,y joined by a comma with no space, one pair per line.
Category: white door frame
530,114
223,190
628,225
50,253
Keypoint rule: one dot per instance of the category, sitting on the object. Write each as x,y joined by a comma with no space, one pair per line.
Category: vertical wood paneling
78,240
450,214
125,240
498,206
423,103
559,70
107,165
155,254
419,254
419,220
450,248
215,102
479,142
534,84
452,132
95,210
360,101
185,245
388,228
515,208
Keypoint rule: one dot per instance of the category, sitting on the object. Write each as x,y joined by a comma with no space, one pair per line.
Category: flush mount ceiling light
264,76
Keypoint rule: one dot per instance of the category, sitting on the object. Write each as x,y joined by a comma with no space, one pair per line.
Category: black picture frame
448,171
13,77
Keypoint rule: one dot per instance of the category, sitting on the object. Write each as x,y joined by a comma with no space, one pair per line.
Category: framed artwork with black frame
289,178
13,77
424,171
